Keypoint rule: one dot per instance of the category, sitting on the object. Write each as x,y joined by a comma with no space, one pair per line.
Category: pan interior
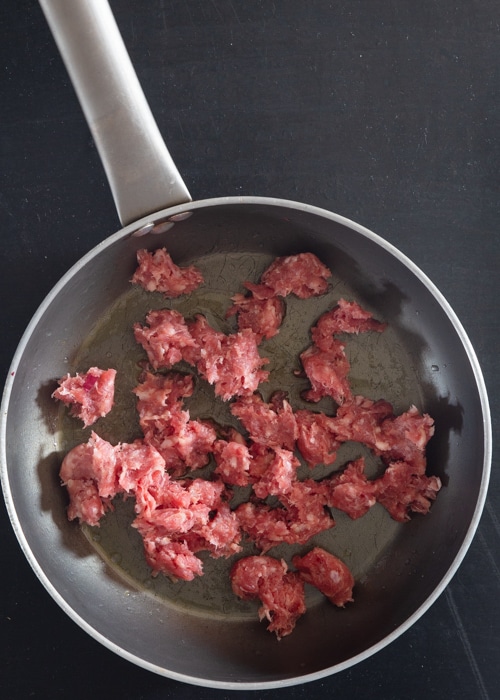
379,369
199,631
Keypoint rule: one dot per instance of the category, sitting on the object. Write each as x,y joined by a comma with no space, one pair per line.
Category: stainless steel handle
140,171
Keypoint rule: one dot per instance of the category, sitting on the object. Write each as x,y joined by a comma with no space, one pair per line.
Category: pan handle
140,171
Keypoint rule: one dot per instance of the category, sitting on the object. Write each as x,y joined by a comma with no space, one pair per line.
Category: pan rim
458,328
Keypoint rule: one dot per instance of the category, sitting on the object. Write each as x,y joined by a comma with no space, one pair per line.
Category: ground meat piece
271,424
327,372
96,460
97,471
141,467
305,502
85,502
230,362
194,443
167,493
90,473
401,490
156,272
242,373
346,317
183,443
301,517
233,462
172,558
159,392
260,291
350,491
281,592
405,437
105,466
181,506
327,573
220,536
264,525
165,339
315,441
373,423
239,464
279,476
262,458
90,395
176,521
303,275
416,428
149,487
204,491
360,420
207,349
261,313
188,516
78,476
78,464
325,362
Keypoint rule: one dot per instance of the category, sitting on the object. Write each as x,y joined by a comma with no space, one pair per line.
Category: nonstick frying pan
198,632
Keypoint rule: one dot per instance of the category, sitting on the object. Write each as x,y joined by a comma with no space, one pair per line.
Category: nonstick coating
203,635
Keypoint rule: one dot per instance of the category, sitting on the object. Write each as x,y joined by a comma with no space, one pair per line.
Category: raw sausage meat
303,275
346,317
403,489
260,310
281,592
233,461
273,424
165,339
230,362
90,473
316,440
327,371
301,516
182,442
156,272
90,395
350,491
373,423
327,573
325,362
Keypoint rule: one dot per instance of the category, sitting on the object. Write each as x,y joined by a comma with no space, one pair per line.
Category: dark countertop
387,112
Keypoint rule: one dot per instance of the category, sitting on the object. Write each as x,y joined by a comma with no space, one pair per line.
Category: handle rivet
144,229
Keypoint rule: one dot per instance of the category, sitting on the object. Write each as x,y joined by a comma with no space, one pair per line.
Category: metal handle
140,171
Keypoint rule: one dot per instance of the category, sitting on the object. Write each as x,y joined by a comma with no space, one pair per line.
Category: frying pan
198,632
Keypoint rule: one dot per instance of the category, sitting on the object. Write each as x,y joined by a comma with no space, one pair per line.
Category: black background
384,111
